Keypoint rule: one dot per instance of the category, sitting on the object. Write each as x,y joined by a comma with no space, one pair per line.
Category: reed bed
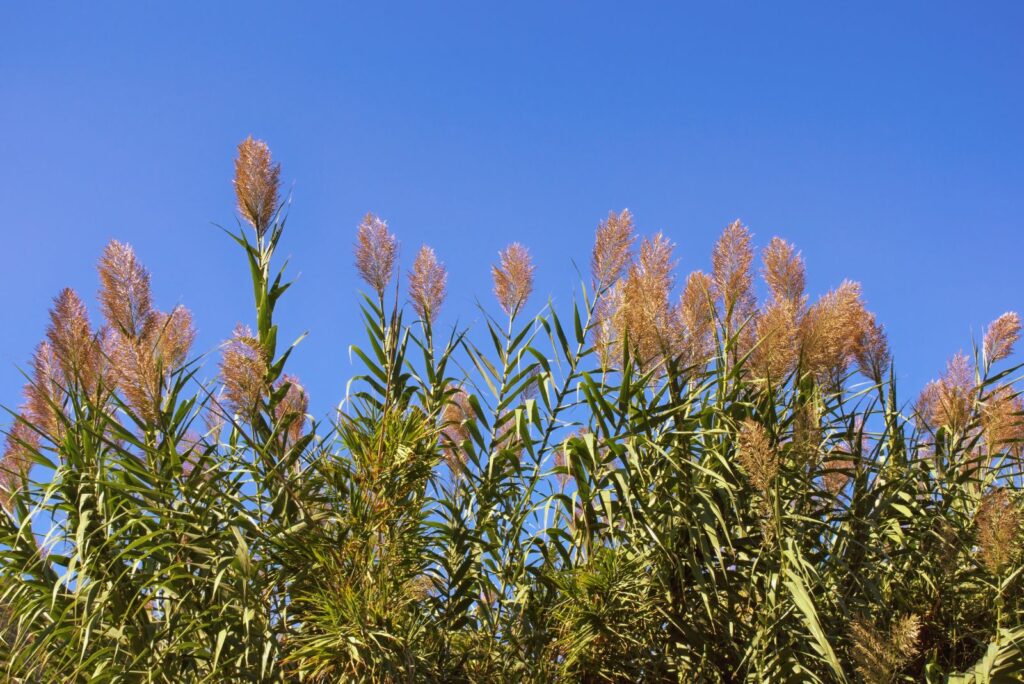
670,480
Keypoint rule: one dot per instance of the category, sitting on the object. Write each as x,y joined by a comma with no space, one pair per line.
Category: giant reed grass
665,481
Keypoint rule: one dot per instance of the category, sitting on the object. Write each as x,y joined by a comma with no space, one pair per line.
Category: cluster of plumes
880,656
513,277
634,299
454,431
952,402
825,337
998,523
142,344
428,284
69,359
22,441
948,401
836,331
243,369
754,451
645,316
636,304
134,352
376,251
257,181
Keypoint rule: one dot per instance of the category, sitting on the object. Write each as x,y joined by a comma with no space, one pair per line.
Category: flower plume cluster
880,656
143,345
635,303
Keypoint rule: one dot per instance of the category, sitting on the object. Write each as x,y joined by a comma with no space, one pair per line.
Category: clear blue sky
884,139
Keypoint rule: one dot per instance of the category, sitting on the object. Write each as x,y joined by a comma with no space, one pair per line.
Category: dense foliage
657,484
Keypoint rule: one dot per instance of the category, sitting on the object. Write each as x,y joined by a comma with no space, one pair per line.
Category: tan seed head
613,246
257,180
376,251
1001,336
513,277
428,284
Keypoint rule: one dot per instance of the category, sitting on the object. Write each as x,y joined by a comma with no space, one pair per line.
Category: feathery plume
428,283
142,345
454,430
951,400
613,245
1002,419
776,327
141,364
784,272
214,420
136,373
807,432
880,657
829,331
174,334
731,272
606,313
904,633
998,522
1001,336
376,250
645,315
420,587
44,395
71,338
513,277
757,456
243,368
291,410
697,319
871,349
778,344
257,180
125,298
21,441
836,474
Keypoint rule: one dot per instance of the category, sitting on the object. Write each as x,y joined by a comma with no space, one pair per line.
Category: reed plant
670,479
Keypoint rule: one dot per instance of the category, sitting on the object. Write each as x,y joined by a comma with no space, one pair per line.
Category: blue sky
885,141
